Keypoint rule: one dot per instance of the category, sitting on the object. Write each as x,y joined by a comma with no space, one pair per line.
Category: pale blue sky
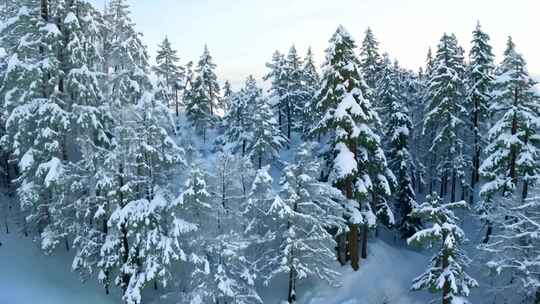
243,34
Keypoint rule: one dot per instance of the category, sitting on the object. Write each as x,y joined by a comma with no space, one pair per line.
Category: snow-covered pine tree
259,200
144,231
37,120
370,60
411,87
446,271
208,81
355,150
227,93
82,212
239,118
169,72
295,97
397,129
513,151
267,140
480,85
446,115
198,107
311,82
302,213
426,136
278,90
227,274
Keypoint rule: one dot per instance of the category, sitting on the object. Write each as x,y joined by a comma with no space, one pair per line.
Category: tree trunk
341,248
513,152
441,191
525,191
176,101
489,231
353,246
365,234
453,194
291,296
289,118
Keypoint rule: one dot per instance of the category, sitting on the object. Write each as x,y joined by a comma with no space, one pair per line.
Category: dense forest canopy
164,181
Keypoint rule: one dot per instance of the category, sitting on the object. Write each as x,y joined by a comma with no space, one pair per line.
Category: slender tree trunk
291,296
525,191
489,231
341,248
453,194
176,101
513,152
365,235
475,174
353,246
289,120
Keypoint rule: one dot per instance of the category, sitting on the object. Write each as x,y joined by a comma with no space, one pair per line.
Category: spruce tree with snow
196,196
355,150
446,271
227,274
258,203
370,59
227,93
295,97
37,120
278,90
239,118
513,151
198,107
267,139
302,213
397,137
479,90
169,72
311,82
208,83
446,114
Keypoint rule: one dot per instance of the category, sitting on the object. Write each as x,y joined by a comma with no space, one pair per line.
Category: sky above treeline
243,34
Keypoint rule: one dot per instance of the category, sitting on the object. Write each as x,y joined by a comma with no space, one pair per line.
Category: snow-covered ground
27,276
385,277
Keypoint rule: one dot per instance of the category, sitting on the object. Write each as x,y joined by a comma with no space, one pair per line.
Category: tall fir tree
513,151
208,81
302,246
370,59
37,122
446,115
295,95
278,89
169,72
390,93
479,95
347,120
311,81
267,140
446,273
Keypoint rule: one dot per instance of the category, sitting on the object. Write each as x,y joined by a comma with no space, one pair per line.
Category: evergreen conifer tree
446,273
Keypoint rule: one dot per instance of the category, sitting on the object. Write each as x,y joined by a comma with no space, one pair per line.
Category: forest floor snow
27,276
